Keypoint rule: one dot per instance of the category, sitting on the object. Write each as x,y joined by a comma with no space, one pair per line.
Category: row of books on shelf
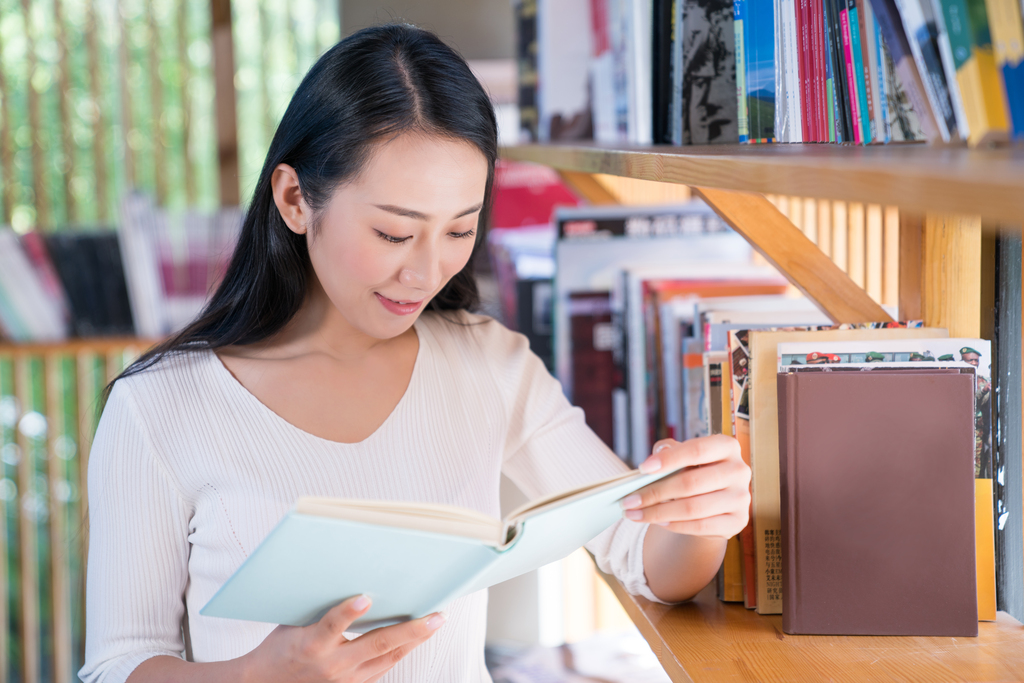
663,324
758,71
149,277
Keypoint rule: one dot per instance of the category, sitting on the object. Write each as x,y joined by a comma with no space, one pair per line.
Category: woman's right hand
320,652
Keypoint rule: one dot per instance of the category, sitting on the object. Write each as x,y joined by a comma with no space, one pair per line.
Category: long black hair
372,86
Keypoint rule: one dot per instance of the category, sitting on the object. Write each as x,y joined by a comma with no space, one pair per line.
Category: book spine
830,100
898,47
1008,41
875,89
925,53
841,79
803,49
794,102
738,7
835,117
866,39
851,76
953,40
858,72
883,84
676,103
818,54
978,78
787,496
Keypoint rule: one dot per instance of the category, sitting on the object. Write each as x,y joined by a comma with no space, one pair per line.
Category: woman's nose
422,272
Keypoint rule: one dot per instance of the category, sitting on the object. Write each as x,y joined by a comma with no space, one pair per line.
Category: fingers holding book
321,652
708,496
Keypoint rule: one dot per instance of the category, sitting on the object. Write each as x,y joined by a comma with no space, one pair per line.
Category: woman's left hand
709,496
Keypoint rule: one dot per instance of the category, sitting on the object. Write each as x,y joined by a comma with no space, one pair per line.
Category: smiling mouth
400,303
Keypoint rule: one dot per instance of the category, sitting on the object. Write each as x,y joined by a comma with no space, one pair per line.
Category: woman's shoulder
171,377
474,332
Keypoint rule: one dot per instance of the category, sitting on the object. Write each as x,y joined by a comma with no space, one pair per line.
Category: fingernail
632,501
662,523
361,603
650,465
635,515
434,622
660,447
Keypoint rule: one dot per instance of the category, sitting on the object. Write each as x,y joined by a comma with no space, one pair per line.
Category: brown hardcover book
877,479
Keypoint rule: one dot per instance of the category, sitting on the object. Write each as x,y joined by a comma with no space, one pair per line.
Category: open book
411,559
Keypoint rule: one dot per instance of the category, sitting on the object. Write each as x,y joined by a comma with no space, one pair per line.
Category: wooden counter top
705,641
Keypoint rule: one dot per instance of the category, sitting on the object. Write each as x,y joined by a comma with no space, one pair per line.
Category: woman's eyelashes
388,238
398,240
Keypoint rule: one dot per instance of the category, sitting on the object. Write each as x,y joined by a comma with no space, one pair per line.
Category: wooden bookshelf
944,194
709,641
915,177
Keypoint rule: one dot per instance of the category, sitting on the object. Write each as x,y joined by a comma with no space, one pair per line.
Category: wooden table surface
706,641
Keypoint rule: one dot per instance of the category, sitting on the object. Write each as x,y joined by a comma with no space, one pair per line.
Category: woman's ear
289,200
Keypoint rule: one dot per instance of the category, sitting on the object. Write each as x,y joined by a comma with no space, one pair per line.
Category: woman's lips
398,308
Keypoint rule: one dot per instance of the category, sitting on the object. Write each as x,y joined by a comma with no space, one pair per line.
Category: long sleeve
138,552
550,448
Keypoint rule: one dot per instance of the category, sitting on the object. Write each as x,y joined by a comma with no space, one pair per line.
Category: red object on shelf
527,194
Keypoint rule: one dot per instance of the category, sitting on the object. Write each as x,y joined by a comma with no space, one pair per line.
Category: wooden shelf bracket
787,248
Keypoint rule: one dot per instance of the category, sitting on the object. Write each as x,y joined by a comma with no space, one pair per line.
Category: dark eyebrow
409,213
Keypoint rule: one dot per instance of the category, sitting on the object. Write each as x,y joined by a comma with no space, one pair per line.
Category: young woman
337,358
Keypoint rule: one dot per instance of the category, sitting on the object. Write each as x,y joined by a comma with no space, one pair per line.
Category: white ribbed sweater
189,472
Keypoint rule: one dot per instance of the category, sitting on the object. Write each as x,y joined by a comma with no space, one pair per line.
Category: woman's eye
468,233
389,238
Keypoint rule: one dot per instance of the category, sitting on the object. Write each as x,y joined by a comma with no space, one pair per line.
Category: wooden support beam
224,86
184,86
951,273
795,256
156,103
60,574
588,187
7,184
910,278
891,258
99,122
39,187
64,105
27,532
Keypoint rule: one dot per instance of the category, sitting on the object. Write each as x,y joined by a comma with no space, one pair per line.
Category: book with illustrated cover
972,354
759,35
758,405
709,73
326,550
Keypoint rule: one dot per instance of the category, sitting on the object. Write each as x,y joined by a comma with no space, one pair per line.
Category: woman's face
389,241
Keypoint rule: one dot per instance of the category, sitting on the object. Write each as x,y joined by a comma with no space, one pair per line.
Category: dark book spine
526,58
1009,503
830,92
787,496
661,83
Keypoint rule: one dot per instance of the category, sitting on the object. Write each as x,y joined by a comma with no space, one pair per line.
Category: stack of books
149,277
758,71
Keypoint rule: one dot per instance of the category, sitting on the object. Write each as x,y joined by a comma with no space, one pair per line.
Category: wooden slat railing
50,401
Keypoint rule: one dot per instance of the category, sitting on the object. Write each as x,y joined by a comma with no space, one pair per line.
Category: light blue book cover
311,562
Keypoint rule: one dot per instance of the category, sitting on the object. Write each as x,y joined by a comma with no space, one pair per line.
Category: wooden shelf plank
98,345
708,641
912,176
